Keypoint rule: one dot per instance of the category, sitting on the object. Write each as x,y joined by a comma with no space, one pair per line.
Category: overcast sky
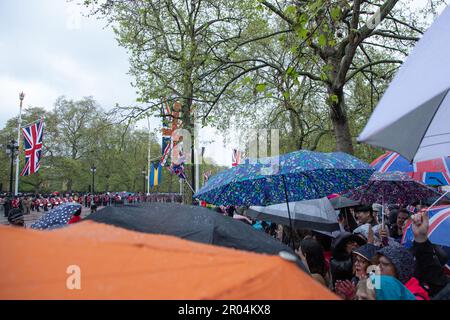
48,49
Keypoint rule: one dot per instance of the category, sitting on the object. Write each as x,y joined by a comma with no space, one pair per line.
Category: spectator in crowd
399,262
15,218
341,265
76,217
312,255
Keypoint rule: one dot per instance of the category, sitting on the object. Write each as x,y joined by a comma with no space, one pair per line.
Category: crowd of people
365,260
15,207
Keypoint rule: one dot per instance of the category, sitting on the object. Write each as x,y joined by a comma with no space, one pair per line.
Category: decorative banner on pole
169,127
33,138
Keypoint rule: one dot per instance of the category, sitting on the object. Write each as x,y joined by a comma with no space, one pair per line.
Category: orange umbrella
107,262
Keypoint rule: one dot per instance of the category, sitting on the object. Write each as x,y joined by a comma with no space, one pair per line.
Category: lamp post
21,97
144,174
93,170
11,149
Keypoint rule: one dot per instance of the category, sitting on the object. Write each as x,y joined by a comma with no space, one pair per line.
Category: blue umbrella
296,176
56,217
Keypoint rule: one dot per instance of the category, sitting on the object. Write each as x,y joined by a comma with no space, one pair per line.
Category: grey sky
48,49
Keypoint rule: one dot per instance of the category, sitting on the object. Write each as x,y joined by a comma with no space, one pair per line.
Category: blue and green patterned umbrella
302,174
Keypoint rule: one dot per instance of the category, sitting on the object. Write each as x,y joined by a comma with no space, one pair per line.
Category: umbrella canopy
439,230
340,202
306,174
316,214
120,264
417,127
190,222
391,188
56,217
432,172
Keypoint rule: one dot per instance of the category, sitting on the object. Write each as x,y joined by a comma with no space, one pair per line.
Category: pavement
34,216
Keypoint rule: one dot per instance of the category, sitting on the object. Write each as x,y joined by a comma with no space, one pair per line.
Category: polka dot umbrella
59,216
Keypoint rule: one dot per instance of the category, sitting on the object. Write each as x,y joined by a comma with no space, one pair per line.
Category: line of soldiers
28,203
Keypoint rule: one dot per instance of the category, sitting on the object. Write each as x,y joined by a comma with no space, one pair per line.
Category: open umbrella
412,118
191,223
438,231
340,202
432,172
114,263
56,217
295,176
316,214
391,188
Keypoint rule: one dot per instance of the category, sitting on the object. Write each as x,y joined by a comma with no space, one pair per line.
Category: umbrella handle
289,211
438,200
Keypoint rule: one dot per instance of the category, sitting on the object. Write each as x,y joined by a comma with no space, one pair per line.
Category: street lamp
144,174
19,123
11,149
93,169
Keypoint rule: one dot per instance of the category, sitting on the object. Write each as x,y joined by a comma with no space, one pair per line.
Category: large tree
335,34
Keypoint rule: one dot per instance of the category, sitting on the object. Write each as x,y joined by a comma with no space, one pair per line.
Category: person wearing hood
15,218
399,263
341,265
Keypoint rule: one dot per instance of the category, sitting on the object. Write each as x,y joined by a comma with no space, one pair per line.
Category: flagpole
16,189
148,156
196,156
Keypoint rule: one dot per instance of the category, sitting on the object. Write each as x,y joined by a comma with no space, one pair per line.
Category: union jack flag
33,135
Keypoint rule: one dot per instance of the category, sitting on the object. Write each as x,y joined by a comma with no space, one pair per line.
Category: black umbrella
191,223
343,202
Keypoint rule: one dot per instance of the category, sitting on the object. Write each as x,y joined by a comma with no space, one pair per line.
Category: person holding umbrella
15,218
76,217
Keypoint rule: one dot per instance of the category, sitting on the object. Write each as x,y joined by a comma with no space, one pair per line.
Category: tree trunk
69,185
339,120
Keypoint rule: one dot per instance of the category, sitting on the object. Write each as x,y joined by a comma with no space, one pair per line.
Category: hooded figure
16,218
341,265
404,265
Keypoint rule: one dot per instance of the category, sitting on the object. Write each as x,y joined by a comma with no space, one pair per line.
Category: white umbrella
413,117
316,214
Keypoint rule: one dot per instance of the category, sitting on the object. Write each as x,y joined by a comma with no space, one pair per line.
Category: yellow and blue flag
155,174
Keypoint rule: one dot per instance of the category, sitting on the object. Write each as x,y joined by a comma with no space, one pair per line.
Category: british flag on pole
33,137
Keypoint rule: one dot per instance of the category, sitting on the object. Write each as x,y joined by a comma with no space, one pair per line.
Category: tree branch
349,77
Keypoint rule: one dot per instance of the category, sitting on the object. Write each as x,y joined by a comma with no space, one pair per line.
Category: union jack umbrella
438,231
432,172
33,135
